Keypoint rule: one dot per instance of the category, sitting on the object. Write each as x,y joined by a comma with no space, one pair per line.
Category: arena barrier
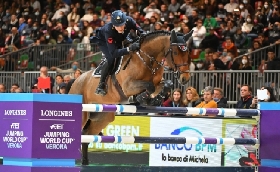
42,133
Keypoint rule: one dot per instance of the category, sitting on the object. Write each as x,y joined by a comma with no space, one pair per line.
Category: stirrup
101,91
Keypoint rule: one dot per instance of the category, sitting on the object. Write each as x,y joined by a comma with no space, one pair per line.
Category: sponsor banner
185,154
239,155
125,126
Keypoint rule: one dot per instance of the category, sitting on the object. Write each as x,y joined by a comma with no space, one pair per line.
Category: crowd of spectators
214,98
222,29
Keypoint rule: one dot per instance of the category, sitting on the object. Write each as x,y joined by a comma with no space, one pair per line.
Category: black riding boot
101,89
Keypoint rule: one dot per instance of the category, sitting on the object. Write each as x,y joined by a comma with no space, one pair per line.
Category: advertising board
124,126
239,155
185,154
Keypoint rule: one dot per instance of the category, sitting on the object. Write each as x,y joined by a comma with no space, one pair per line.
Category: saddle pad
117,67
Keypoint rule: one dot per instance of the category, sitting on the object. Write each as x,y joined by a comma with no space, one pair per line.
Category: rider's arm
135,26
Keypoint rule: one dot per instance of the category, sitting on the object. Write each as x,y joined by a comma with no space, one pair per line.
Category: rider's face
120,29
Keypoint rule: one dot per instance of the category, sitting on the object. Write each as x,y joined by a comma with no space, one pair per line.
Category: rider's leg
101,88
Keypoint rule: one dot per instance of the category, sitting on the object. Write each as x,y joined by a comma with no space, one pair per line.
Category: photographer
269,98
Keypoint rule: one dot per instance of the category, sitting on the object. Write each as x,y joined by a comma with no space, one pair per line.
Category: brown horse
141,73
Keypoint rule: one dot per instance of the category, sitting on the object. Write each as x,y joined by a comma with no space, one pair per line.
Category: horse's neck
157,47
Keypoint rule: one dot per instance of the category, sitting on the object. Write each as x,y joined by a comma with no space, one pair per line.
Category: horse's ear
173,37
188,35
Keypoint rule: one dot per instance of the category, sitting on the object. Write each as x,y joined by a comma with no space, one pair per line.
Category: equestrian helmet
118,18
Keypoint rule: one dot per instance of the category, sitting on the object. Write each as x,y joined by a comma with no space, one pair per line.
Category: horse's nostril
184,80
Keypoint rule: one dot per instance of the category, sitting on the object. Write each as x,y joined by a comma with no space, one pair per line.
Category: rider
110,38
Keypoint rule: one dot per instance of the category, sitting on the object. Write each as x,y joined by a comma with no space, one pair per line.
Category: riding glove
134,47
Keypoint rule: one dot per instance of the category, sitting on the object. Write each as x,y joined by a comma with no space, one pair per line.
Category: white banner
185,154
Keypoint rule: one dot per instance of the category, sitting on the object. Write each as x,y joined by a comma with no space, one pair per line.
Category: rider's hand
134,47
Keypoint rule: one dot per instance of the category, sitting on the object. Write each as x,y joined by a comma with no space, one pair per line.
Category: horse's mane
149,36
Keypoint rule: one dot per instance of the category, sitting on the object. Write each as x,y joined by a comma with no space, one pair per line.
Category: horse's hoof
100,134
85,162
143,98
157,101
167,86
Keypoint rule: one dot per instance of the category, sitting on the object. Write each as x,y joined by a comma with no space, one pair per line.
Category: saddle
116,67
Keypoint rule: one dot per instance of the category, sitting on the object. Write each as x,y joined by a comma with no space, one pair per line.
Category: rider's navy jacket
108,36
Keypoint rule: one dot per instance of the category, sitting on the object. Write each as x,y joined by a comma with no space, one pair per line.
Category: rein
152,60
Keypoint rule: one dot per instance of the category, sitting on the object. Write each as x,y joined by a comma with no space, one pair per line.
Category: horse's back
79,84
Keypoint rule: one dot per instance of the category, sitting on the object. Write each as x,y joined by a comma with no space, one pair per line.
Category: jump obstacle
48,121
168,140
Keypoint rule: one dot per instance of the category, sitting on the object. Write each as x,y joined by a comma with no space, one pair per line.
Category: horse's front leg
134,87
161,91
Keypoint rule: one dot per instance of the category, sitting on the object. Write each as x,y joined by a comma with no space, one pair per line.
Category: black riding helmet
118,18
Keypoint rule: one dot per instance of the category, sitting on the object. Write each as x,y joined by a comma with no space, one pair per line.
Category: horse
141,74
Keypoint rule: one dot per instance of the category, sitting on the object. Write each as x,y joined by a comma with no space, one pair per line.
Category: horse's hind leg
94,126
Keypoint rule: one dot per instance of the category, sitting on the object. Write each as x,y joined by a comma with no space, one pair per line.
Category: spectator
219,98
14,87
66,38
266,10
273,63
229,30
173,6
72,29
71,71
164,13
230,47
62,88
192,19
270,98
14,40
221,14
192,98
188,8
150,10
35,5
18,90
231,6
239,38
77,73
58,80
246,97
243,11
66,79
210,22
2,88
96,22
44,74
73,17
211,41
208,101
247,25
14,21
22,26
176,100
198,33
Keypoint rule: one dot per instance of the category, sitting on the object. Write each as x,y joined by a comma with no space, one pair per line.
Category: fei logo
186,131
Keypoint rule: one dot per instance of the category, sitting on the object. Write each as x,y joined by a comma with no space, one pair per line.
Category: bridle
172,53
177,71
